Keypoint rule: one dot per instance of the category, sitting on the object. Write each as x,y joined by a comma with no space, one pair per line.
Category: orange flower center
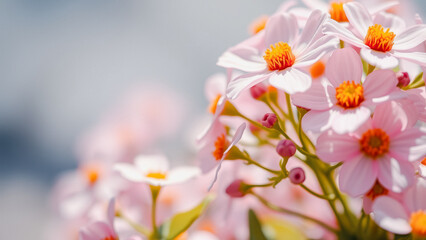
91,173
374,142
317,69
418,223
378,39
157,175
258,24
220,147
279,57
424,161
376,191
349,94
109,238
213,104
337,12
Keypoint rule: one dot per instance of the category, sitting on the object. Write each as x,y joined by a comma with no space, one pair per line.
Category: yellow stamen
349,94
337,12
157,175
279,57
378,39
374,143
418,223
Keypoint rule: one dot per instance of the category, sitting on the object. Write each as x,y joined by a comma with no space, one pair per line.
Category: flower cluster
317,131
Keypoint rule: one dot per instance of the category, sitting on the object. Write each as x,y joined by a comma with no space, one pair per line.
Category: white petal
281,27
231,60
358,17
152,163
410,38
379,59
317,121
316,97
391,215
415,57
291,80
243,82
182,174
312,31
215,85
334,28
316,50
348,120
130,172
393,22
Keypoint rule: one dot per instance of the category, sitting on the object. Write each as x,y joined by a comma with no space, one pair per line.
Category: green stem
155,191
370,68
290,111
251,161
288,211
139,228
326,197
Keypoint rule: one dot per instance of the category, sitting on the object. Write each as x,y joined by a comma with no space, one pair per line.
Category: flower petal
315,98
281,27
391,21
129,171
415,57
312,30
246,60
344,65
317,121
390,215
182,174
152,163
333,147
391,118
291,80
379,83
395,176
316,50
415,196
379,59
348,120
334,28
357,176
358,17
409,145
245,81
410,38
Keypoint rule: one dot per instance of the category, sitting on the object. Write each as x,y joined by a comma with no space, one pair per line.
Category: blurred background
65,64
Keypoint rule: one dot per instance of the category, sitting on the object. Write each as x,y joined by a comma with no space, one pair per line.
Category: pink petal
215,85
348,120
281,28
358,17
312,30
409,145
291,80
415,57
334,28
395,176
379,59
379,7
357,176
344,65
333,147
395,23
315,4
316,50
315,98
111,212
317,121
410,38
416,195
247,64
390,215
390,117
237,137
379,83
245,81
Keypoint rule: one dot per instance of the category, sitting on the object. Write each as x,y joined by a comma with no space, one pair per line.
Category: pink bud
235,189
297,175
258,90
403,79
269,120
286,148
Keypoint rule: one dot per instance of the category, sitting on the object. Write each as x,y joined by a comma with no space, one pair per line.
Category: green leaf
255,227
182,221
279,229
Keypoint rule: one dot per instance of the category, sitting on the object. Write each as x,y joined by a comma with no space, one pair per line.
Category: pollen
220,146
374,143
258,24
91,173
378,39
337,12
279,57
213,104
349,94
376,191
157,175
317,69
418,223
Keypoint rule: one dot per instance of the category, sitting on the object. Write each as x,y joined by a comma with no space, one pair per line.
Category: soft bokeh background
63,64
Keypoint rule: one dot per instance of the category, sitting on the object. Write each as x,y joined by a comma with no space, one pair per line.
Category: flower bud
235,189
297,175
286,148
269,120
258,90
403,79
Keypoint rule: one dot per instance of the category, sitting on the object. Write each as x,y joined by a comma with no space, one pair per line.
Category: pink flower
406,217
379,150
101,230
380,47
344,103
283,56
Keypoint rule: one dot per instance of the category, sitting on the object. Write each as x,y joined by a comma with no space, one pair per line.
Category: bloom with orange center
337,13
376,191
157,175
374,143
380,46
349,94
317,69
258,25
378,39
279,56
92,173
